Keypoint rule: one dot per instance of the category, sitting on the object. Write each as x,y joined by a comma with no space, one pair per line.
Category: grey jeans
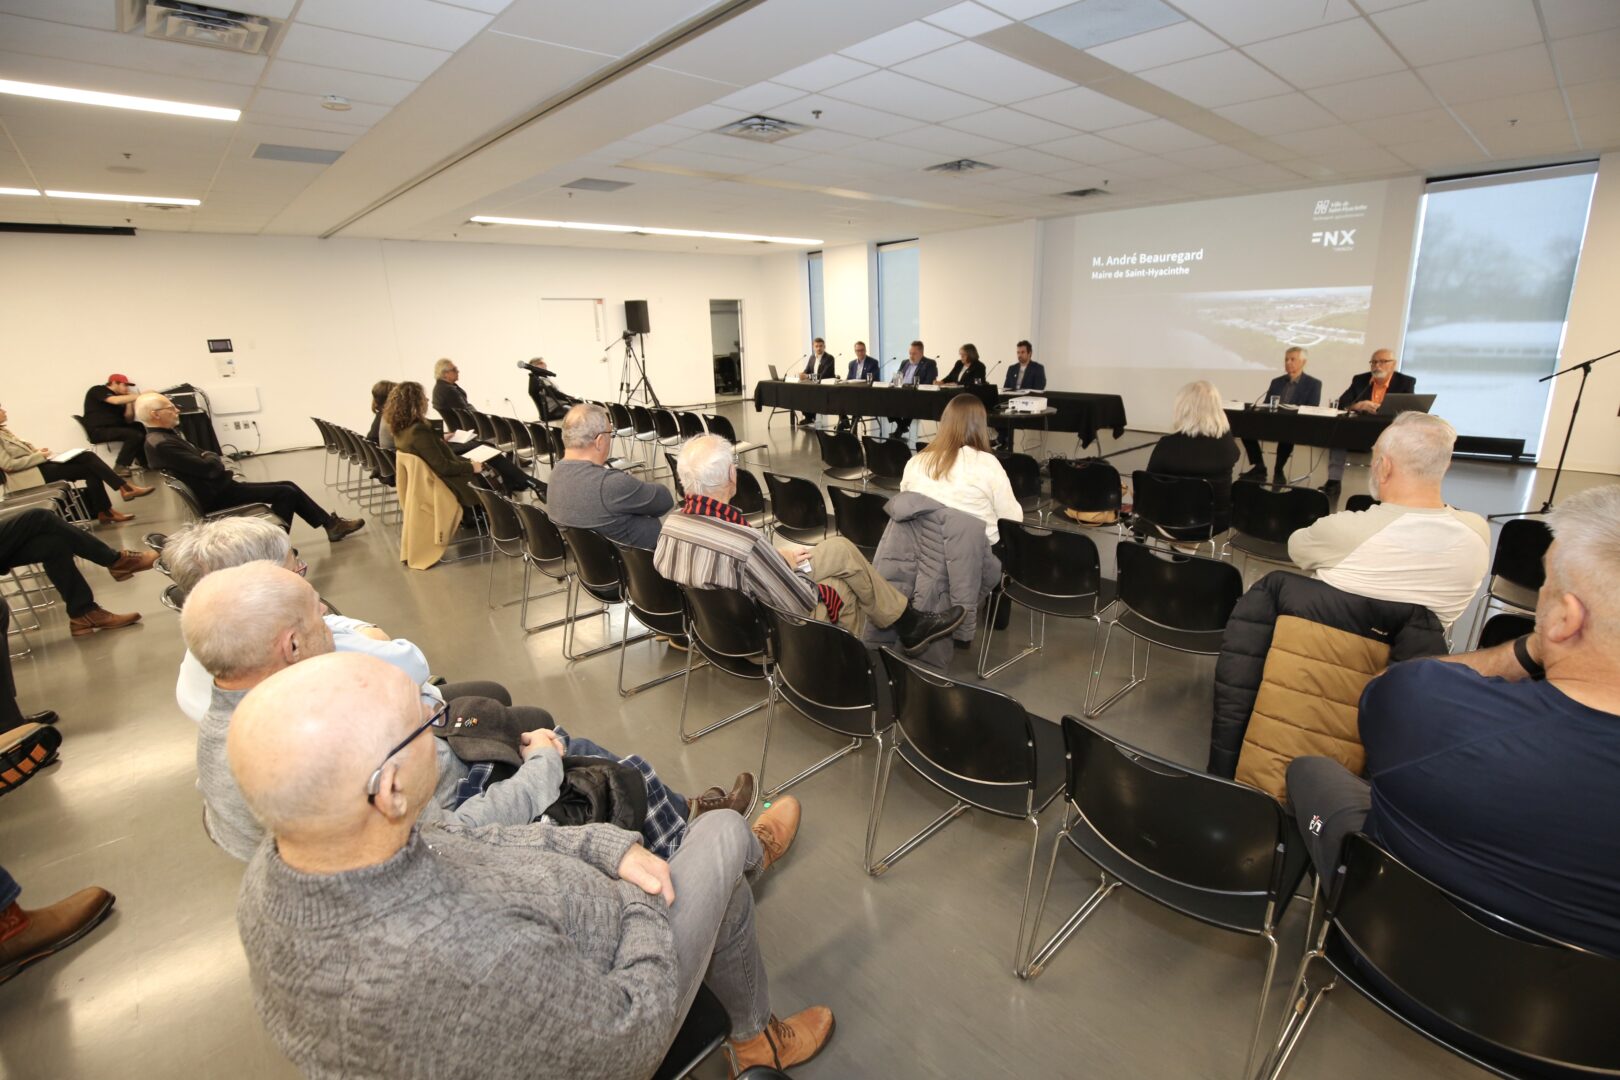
713,920
1330,802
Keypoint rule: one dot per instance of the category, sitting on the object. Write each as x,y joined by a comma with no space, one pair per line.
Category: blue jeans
9,889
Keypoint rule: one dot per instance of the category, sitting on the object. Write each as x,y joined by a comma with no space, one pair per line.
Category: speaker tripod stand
1585,368
633,381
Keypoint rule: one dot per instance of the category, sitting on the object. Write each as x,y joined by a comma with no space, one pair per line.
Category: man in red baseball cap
109,416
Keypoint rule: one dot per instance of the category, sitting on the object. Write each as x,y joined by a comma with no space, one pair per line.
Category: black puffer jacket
1296,655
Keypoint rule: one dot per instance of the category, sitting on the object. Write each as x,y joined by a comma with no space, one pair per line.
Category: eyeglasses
166,408
1381,363
440,717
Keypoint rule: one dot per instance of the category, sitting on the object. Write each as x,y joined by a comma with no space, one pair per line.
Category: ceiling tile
1410,127
1210,184
1084,109
1166,45
968,19
1157,136
1244,21
1541,107
1262,175
707,118
1223,78
901,43
818,75
1025,9
1323,140
356,52
1275,115
818,141
1012,126
686,159
730,146
900,157
1516,71
989,74
1089,149
950,142
1434,31
1530,140
1211,157
88,13
64,42
1588,58
1600,132
759,98
896,93
1027,160
1382,95
1097,22
415,22
308,106
844,116
1361,162
1594,98
1147,168
1329,54
1438,155
610,27
1566,18
312,79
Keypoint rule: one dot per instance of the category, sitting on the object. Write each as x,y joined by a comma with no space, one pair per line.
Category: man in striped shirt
707,543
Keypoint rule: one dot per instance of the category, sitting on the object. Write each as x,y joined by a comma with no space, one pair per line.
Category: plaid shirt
708,544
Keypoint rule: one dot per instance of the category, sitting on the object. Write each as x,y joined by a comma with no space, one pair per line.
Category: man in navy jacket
917,370
862,367
1024,375
1292,388
818,365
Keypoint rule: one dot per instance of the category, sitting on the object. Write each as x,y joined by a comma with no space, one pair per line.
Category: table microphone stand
1585,367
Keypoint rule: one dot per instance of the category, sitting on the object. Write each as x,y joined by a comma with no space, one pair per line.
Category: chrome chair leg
1039,958
1302,1001
1131,684
650,683
770,718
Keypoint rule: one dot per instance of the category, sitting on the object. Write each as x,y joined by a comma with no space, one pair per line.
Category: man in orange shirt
1365,395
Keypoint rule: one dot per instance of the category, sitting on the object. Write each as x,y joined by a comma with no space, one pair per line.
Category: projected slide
1219,289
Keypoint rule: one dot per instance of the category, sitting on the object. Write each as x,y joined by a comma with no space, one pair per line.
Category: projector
1027,404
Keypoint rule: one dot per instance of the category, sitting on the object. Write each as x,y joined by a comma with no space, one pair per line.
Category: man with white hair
1493,772
1411,548
216,487
586,494
1365,394
708,543
245,623
379,941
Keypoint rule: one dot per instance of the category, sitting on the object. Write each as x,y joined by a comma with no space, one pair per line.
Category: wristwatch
1521,652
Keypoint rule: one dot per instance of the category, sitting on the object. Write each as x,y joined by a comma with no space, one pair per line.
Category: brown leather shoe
740,798
134,491
341,527
131,563
98,618
27,937
776,828
113,517
784,1043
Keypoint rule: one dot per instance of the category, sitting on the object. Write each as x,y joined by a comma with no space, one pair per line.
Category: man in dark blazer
918,370
862,367
1027,374
1294,387
1364,395
819,365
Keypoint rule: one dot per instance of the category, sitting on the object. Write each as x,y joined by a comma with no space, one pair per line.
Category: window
818,300
1495,265
897,304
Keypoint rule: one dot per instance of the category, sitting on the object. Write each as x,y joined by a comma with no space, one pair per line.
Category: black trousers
39,536
510,472
285,498
10,715
1252,448
1330,802
96,474
133,436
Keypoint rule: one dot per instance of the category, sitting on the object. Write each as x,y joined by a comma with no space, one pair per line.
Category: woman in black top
1200,446
969,369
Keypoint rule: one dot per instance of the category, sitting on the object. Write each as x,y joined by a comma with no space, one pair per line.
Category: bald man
377,942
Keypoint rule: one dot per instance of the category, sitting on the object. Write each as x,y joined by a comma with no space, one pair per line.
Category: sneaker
27,937
99,618
776,828
131,563
740,798
1254,472
341,527
784,1043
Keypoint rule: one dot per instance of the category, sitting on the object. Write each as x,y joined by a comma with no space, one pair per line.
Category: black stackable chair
750,499
841,456
705,1028
690,424
1175,601
194,505
644,426
828,675
1357,503
505,533
1504,627
886,459
1086,485
1179,509
1517,572
723,626
597,572
1513,1002
1212,849
654,600
977,745
797,504
860,517
668,428
543,550
1264,516
719,425
1047,572
624,425
1024,473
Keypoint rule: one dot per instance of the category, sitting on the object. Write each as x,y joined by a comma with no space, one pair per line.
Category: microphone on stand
992,371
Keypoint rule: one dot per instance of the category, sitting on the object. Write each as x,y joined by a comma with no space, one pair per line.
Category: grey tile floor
916,964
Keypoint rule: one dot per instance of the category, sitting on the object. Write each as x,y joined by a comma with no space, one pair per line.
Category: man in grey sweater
584,493
379,946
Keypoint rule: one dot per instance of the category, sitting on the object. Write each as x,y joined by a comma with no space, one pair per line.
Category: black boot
919,629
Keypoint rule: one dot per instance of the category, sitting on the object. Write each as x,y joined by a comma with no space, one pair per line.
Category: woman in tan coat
405,414
27,466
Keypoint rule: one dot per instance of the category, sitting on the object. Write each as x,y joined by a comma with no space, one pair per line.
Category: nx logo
1335,238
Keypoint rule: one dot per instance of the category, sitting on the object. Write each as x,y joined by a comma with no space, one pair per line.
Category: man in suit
862,367
1025,375
819,365
1364,395
544,392
918,370
1294,387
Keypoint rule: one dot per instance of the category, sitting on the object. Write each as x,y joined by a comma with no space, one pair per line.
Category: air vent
765,129
303,155
960,166
591,183
197,24
1084,193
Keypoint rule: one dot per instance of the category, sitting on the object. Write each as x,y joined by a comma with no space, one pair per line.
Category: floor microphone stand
1585,367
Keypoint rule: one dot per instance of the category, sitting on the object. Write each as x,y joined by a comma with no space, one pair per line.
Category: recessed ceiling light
156,200
17,191
116,101
336,103
535,223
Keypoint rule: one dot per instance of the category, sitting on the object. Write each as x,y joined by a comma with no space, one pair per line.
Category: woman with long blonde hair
958,469
1201,446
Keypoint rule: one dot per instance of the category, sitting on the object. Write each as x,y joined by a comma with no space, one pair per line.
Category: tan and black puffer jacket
1296,656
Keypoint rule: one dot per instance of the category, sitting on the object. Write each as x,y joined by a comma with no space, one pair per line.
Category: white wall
978,286
850,275
1594,329
316,322
781,334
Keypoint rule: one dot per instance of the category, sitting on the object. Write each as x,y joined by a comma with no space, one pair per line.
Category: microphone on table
992,371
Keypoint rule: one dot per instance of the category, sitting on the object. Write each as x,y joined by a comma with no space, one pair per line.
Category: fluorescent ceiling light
160,200
117,101
17,191
536,223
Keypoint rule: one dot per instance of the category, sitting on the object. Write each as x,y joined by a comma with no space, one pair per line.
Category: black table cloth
1355,431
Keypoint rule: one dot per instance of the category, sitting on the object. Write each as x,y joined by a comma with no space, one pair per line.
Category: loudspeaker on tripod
635,317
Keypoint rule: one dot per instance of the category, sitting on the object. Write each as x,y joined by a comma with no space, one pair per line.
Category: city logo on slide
1336,210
